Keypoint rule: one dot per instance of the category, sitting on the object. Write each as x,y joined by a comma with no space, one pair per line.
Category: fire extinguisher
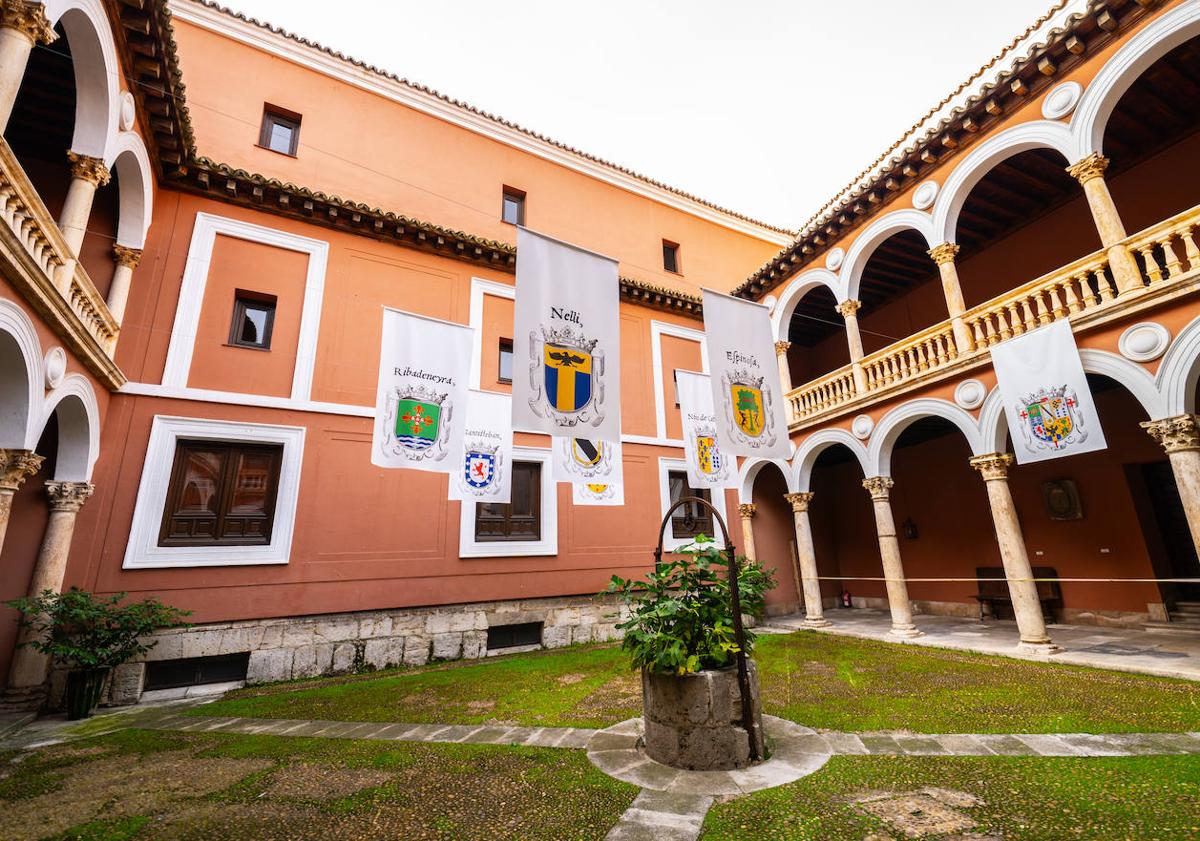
846,599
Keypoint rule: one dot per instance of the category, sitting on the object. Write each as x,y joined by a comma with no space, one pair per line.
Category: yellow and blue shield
747,408
567,376
709,456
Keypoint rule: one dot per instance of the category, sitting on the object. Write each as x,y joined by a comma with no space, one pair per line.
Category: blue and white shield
479,470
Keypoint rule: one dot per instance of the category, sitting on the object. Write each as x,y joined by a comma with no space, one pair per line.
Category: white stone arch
1128,63
1038,134
749,471
97,73
78,428
806,454
893,424
1179,373
136,183
20,377
797,289
872,236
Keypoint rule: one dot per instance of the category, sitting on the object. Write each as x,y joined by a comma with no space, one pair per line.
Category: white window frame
469,547
665,466
143,551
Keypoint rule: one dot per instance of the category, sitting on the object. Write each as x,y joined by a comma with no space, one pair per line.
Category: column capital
848,308
1177,434
29,19
799,501
88,168
15,465
993,466
781,347
944,253
878,486
68,496
747,510
126,256
1085,169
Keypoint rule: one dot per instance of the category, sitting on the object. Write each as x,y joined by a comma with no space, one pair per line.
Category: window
221,494
520,519
671,256
513,206
195,671
253,320
280,130
512,636
505,361
689,520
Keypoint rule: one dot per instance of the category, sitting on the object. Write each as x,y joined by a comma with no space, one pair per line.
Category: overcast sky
767,107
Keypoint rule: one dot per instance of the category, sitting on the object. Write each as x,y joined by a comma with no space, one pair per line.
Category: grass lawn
819,680
1034,799
139,784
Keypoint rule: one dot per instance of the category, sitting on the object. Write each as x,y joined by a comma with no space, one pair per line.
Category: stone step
1185,628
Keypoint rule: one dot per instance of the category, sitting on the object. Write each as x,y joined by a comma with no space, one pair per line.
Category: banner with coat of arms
566,347
747,393
586,461
707,465
1047,401
485,470
421,401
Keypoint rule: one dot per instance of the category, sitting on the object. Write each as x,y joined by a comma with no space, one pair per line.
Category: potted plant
90,636
680,633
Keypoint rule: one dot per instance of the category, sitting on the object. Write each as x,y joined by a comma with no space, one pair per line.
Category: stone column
87,174
22,24
848,310
127,260
1031,625
1180,437
15,465
1089,172
747,511
879,487
785,372
28,670
944,255
814,614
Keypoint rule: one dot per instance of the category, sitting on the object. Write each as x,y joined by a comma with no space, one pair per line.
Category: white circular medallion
1061,100
769,302
55,366
862,426
833,260
924,195
1144,342
128,112
969,394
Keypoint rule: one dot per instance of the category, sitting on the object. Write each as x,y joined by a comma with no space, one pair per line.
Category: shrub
81,631
681,619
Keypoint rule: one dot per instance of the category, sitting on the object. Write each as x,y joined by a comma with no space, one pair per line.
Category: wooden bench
993,591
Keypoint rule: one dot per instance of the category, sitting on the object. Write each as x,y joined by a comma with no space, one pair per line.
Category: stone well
694,721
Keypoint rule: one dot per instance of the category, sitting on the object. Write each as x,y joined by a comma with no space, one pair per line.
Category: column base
818,622
1044,647
23,698
906,631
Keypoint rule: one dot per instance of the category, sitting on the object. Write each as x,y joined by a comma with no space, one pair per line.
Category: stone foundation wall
311,646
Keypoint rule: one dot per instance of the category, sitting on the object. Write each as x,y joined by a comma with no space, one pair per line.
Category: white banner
707,466
747,393
485,469
581,460
421,402
567,340
595,494
1047,401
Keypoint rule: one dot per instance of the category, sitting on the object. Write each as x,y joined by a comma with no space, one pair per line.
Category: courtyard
885,741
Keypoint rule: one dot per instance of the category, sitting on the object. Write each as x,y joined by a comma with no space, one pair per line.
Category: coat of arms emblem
588,460
416,423
1050,419
707,453
481,467
566,377
748,408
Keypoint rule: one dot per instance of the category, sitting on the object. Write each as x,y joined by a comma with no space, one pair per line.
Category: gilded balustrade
1166,253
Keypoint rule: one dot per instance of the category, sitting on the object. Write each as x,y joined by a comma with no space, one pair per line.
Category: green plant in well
82,631
681,617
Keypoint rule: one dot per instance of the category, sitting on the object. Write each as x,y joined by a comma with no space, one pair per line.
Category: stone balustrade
1084,291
